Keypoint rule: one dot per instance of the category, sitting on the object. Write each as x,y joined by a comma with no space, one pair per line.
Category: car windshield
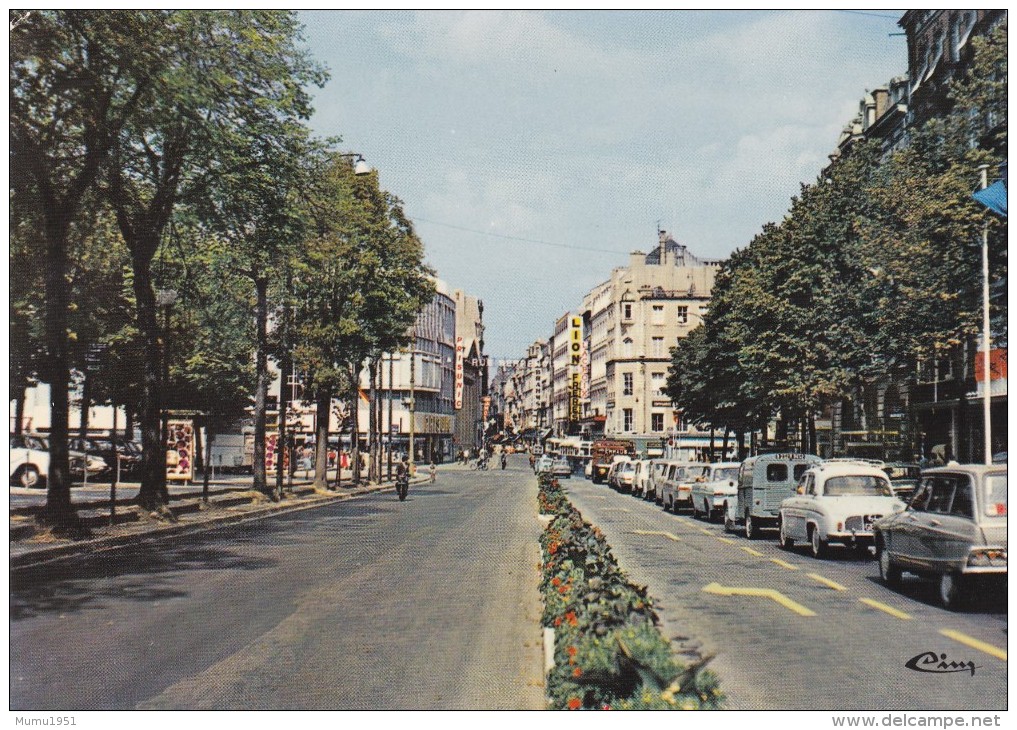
723,475
691,472
995,495
871,486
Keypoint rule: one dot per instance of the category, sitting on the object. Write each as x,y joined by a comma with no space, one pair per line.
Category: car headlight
987,558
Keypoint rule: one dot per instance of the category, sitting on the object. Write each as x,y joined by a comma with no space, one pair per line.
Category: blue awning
993,197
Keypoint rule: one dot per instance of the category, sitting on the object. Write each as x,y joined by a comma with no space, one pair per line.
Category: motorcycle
402,485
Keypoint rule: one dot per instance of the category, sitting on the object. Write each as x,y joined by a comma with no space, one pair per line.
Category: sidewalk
31,544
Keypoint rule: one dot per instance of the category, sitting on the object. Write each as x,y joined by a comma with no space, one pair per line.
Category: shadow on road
927,592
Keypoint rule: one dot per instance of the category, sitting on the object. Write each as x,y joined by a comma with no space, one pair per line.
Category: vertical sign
460,354
575,366
180,451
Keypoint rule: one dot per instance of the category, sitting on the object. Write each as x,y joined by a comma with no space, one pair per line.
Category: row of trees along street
168,150
875,268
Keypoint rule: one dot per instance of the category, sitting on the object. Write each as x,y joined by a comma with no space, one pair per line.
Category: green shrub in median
609,652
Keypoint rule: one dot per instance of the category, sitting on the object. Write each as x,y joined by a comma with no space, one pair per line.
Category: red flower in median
571,618
577,672
574,703
557,621
572,651
555,582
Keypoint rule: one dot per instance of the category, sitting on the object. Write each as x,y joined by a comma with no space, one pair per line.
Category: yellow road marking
773,595
975,643
783,564
668,535
616,509
728,540
827,582
705,531
750,551
886,609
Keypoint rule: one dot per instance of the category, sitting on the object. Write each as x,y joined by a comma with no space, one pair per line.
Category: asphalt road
363,604
849,655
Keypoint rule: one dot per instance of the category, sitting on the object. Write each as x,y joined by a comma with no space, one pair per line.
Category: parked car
677,491
764,482
712,491
588,469
612,469
543,464
836,503
29,462
903,479
641,476
655,479
560,467
953,531
623,474
129,455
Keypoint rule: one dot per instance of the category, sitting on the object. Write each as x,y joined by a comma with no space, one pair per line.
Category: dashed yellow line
705,531
727,540
826,582
975,643
885,609
750,551
773,595
668,535
783,564
616,509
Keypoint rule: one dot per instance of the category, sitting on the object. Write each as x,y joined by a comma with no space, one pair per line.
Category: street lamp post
986,336
413,399
391,444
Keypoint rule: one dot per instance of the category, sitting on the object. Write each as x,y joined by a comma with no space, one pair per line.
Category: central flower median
609,652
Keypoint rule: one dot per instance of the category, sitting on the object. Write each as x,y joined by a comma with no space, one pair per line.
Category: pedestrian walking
504,459
433,471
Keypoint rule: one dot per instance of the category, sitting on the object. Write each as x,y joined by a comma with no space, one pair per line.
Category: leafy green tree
75,79
230,83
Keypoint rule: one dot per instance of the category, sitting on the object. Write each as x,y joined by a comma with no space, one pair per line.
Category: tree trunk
261,386
323,404
355,428
740,435
199,452
58,479
128,423
86,402
813,446
19,409
374,466
713,432
209,438
723,453
153,493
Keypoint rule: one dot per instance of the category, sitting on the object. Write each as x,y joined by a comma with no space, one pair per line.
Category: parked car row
946,523
90,458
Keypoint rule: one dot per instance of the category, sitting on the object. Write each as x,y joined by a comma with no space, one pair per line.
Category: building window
626,383
627,347
658,347
658,314
683,315
626,310
626,419
658,383
656,421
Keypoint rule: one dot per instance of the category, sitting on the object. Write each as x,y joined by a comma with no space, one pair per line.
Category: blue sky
533,150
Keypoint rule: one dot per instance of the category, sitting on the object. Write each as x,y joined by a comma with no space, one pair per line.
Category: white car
712,491
621,475
29,461
641,476
836,503
676,492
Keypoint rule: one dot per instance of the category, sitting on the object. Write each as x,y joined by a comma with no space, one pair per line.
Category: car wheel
29,477
818,544
785,540
729,524
951,591
888,570
751,528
